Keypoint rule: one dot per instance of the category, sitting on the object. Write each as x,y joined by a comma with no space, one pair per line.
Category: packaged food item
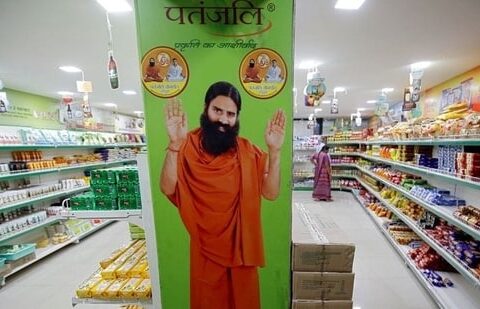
114,289
84,290
128,289
115,254
98,290
143,290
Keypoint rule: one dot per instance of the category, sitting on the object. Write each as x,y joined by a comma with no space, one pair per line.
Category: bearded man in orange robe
217,180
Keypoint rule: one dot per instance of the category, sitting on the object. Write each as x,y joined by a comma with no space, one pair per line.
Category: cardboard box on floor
322,304
322,286
319,246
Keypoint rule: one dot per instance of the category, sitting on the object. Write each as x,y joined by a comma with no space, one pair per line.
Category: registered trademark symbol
271,7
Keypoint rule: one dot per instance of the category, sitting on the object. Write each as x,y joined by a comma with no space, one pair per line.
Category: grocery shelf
352,154
21,174
349,142
353,165
43,197
94,228
304,149
344,176
41,253
435,141
102,214
441,211
47,222
303,189
37,146
461,295
118,301
432,243
424,170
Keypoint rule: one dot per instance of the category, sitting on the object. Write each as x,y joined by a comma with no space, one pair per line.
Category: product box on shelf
322,304
322,285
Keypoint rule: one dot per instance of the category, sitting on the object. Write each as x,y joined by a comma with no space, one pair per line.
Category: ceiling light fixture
110,104
308,64
129,92
115,6
326,101
317,110
138,112
349,4
417,66
387,90
361,109
69,69
371,101
339,89
65,93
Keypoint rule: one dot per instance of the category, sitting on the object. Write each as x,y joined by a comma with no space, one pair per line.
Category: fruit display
469,214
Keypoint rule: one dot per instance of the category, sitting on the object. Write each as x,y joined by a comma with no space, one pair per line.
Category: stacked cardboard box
322,260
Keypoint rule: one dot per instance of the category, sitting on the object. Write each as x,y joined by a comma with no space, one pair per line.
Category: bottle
69,112
112,72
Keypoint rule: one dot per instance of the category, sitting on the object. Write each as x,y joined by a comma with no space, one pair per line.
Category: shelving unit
462,295
142,217
41,253
441,211
432,243
19,235
120,301
465,293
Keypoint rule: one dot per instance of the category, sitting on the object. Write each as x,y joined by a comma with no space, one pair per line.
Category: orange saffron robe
219,202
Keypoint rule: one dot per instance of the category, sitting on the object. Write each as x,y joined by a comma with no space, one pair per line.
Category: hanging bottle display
69,112
112,71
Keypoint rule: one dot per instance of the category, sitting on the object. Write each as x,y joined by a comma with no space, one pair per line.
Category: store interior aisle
382,280
51,283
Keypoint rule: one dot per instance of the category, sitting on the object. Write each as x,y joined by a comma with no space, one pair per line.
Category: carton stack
322,260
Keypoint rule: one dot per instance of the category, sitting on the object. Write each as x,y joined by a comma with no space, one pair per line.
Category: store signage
84,86
186,47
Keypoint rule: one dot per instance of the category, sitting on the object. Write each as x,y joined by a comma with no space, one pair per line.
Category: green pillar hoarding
185,47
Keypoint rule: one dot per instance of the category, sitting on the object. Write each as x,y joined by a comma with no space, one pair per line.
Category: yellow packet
83,290
127,290
98,290
112,291
144,289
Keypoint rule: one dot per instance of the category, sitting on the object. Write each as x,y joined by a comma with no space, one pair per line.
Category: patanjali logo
240,12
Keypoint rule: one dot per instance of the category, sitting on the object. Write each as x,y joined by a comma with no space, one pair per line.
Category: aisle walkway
51,283
381,278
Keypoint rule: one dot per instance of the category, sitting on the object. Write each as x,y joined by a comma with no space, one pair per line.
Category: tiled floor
381,278
51,283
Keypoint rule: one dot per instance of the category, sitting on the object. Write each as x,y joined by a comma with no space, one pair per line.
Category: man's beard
214,141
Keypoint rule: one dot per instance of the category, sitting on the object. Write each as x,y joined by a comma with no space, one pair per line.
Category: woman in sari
323,174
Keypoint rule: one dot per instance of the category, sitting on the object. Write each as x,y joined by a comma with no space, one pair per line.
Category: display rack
465,293
462,295
143,217
41,253
441,211
68,146
432,243
119,301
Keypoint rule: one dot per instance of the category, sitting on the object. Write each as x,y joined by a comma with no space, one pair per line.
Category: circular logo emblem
164,72
263,73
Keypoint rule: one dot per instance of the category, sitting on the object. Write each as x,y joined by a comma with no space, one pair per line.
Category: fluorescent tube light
349,4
